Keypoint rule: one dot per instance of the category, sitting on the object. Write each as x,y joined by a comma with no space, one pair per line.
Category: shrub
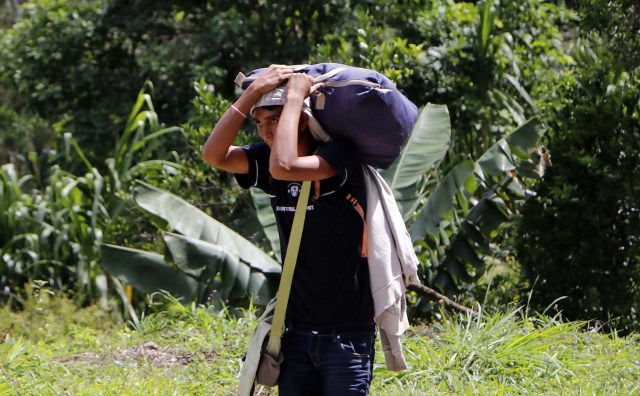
579,237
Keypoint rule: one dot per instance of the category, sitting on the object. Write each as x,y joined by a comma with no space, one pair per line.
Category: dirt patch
148,352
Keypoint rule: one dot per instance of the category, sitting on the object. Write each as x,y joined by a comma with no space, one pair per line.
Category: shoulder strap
277,325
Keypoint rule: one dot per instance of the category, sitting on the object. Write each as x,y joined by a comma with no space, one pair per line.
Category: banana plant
204,261
428,143
466,211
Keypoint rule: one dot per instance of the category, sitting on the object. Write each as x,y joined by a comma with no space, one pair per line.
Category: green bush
485,61
60,67
78,62
52,229
579,237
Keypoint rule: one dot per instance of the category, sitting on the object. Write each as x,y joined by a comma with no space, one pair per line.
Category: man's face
266,120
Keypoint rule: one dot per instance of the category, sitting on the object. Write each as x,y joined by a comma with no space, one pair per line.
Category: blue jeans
326,363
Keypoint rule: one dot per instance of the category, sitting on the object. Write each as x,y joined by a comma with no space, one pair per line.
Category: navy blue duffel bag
360,105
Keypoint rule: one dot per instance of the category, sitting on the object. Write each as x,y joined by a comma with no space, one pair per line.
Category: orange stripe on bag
358,208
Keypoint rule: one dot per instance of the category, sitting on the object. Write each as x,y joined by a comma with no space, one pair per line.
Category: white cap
278,96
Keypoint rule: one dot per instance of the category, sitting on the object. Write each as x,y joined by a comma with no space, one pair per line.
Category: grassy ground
53,349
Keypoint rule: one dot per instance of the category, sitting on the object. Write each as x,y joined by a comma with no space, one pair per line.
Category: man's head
266,119
266,114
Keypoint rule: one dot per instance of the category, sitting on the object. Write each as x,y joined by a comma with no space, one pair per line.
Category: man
328,344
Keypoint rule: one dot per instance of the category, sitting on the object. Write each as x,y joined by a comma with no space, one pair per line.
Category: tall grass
51,348
509,353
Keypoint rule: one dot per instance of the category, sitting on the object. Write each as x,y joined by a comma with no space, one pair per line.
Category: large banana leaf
459,180
501,157
192,222
147,272
426,146
267,219
216,265
200,271
209,263
488,214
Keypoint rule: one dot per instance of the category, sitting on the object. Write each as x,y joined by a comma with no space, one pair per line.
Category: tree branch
440,298
16,10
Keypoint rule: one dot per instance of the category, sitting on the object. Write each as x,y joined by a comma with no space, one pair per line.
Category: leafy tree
62,68
97,52
374,37
485,61
618,22
579,238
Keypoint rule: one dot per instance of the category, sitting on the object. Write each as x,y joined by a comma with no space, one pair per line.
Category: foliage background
71,71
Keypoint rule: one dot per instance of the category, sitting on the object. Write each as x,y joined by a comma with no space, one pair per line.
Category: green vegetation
50,348
593,191
519,186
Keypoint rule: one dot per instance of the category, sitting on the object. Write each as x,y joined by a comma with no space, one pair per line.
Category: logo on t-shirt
294,189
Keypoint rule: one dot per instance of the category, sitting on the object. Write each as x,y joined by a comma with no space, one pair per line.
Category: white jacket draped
393,264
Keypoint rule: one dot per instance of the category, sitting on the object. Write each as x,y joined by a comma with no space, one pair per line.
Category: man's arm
285,162
219,150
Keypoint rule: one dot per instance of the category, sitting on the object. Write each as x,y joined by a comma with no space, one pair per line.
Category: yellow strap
277,325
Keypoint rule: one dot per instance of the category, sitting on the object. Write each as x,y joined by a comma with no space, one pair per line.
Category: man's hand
273,77
302,85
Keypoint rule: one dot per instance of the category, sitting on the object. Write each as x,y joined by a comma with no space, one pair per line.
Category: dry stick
437,297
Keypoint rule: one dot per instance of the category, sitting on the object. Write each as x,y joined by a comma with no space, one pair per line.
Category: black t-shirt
330,289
